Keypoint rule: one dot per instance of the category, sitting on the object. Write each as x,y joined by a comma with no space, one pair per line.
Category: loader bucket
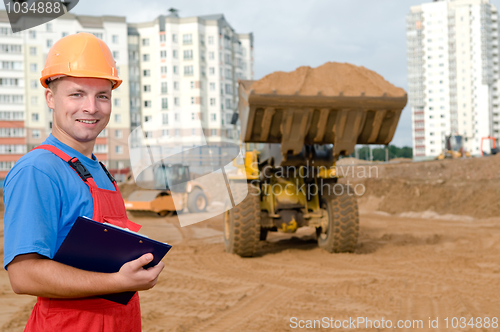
335,113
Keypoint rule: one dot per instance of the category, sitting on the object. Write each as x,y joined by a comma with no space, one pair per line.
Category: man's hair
52,85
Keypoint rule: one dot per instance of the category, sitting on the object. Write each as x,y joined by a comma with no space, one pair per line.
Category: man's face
81,107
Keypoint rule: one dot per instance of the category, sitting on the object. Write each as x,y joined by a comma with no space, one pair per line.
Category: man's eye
77,94
103,97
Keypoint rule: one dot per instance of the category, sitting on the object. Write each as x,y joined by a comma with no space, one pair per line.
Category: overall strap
73,162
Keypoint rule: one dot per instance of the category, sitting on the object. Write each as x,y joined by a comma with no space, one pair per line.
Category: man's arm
36,275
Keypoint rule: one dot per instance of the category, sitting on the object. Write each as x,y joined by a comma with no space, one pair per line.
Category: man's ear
49,98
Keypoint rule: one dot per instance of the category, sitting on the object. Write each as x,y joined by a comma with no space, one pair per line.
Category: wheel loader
292,141
453,148
163,202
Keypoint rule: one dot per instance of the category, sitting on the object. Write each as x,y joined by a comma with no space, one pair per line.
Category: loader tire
242,225
197,201
342,232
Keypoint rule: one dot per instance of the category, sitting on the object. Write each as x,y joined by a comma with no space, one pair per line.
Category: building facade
189,70
453,71
184,70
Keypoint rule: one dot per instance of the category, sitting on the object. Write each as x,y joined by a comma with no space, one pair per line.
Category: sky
293,33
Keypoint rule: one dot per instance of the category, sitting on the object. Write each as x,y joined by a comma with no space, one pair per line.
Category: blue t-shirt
43,196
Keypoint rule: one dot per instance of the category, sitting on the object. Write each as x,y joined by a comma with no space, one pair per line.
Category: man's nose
90,105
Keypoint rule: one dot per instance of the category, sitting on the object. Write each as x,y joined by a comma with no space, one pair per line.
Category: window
34,84
165,132
174,38
12,132
211,71
177,117
229,89
114,39
35,133
163,54
119,149
64,34
164,103
210,40
211,55
192,100
188,70
212,86
33,68
192,116
146,73
148,118
175,54
48,27
213,117
212,101
117,102
176,70
164,87
187,39
213,132
145,57
34,117
177,132
193,131
191,84
165,118
32,34
163,38
147,103
147,88
188,54
176,85
148,134
118,118
32,50
116,55
118,133
228,103
163,70
145,41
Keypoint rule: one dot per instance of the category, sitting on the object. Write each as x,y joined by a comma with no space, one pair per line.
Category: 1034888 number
40,7
478,322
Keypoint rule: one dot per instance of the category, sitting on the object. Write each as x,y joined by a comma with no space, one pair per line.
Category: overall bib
89,314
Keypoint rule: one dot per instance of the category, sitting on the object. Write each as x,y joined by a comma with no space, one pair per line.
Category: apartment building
183,70
453,71
25,119
189,68
12,99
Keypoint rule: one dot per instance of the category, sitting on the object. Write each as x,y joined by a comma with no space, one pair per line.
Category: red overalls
89,314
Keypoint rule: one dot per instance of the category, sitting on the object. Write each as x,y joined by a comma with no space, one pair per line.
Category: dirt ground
420,257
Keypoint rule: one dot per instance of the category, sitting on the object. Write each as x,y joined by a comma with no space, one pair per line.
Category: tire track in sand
231,319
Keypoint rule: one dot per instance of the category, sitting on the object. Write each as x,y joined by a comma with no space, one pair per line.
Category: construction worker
52,185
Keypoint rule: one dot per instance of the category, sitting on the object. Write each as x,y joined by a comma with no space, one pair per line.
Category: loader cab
175,176
454,143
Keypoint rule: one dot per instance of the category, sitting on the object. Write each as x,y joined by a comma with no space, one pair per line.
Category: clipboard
97,247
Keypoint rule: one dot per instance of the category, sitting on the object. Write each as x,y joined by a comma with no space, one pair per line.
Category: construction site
412,243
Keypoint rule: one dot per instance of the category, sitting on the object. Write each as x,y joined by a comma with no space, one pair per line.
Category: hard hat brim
83,74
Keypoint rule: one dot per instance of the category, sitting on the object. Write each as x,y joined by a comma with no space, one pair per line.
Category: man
48,189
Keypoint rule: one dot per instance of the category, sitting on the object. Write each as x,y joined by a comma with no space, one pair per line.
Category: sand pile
467,187
329,79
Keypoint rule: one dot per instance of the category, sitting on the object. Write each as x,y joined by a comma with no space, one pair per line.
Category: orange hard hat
80,55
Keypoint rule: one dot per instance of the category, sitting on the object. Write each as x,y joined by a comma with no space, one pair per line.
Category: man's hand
36,275
132,276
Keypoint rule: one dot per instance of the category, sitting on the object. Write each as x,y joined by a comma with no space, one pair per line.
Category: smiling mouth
87,121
